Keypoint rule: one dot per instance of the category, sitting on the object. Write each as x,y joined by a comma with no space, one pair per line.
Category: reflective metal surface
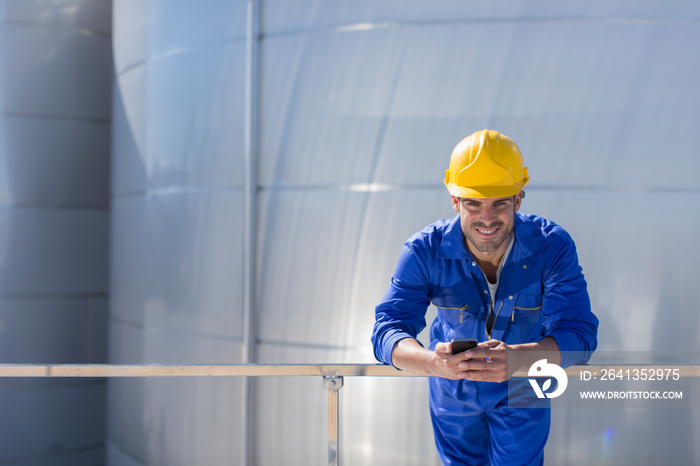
177,231
55,94
360,105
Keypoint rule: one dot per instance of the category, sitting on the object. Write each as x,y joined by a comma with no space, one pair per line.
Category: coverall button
473,263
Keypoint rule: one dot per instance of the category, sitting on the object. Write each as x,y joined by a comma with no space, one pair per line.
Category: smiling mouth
487,232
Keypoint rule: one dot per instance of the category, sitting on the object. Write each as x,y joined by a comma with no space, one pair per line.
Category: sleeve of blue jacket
401,314
567,315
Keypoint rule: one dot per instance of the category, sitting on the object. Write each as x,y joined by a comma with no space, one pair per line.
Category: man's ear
455,203
518,199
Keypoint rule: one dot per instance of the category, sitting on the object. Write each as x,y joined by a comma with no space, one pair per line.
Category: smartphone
463,344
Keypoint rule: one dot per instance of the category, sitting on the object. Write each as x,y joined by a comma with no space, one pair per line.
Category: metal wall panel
361,104
55,82
52,82
603,69
62,424
175,254
86,16
640,276
173,421
41,244
282,17
200,143
78,178
358,235
58,330
177,228
593,99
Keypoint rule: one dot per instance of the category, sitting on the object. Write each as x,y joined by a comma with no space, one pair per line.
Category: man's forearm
529,353
409,355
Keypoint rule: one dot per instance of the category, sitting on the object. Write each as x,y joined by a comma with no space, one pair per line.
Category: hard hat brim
485,192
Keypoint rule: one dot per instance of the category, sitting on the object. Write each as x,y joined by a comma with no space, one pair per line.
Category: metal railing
331,374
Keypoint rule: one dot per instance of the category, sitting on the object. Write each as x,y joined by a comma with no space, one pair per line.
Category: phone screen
463,344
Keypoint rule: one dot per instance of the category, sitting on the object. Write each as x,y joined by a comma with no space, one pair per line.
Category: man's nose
487,215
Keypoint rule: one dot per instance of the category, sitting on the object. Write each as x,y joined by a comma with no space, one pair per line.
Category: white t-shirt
494,286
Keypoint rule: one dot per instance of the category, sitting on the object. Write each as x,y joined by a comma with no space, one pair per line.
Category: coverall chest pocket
527,318
457,315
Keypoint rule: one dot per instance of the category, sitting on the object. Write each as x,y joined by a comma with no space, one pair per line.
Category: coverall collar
528,239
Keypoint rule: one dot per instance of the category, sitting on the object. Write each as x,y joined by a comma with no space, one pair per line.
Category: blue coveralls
541,293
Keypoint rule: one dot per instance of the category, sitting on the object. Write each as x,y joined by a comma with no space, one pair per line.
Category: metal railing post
250,222
333,385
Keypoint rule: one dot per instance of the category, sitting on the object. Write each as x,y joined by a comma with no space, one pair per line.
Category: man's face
487,223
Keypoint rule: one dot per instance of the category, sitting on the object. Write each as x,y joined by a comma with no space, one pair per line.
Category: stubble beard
489,245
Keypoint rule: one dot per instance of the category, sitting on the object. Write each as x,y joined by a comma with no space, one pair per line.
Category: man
510,280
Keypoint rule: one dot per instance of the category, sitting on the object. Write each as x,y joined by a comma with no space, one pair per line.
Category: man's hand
448,365
410,356
496,361
490,361
468,364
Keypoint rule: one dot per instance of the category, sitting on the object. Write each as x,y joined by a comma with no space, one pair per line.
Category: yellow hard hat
486,164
